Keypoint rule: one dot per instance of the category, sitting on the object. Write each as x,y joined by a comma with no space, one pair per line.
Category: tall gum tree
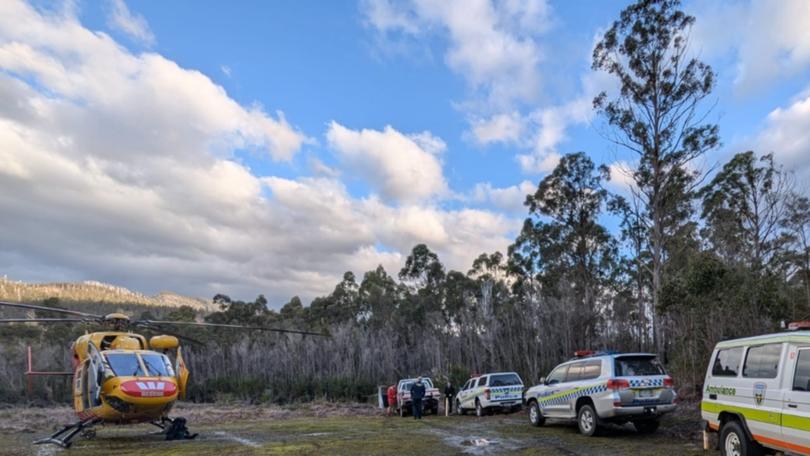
658,116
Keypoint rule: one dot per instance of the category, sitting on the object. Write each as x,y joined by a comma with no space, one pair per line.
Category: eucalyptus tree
744,208
570,253
657,115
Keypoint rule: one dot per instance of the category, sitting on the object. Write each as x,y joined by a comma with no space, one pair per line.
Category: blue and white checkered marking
573,394
647,382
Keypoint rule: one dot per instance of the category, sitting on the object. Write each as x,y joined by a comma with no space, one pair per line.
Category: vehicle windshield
157,364
504,380
631,366
125,364
406,386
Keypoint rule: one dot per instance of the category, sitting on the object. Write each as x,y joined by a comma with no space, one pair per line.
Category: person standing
449,395
392,398
417,394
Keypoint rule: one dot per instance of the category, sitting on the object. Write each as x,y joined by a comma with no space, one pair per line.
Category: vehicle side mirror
543,381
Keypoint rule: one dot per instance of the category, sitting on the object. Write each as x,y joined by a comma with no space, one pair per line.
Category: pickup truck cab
594,388
429,403
757,394
489,392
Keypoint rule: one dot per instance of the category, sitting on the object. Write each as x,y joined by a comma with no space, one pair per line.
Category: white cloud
120,168
491,45
787,134
765,39
509,199
550,124
133,25
404,168
500,128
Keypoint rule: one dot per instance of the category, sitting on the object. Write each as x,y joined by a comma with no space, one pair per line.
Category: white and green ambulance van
757,394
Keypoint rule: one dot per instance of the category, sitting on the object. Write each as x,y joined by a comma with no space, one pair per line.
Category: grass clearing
339,429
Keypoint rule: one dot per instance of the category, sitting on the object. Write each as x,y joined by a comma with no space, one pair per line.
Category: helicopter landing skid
175,429
64,436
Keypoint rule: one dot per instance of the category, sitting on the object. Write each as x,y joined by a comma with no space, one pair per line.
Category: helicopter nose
148,388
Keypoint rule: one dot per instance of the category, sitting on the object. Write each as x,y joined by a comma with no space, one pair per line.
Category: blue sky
266,147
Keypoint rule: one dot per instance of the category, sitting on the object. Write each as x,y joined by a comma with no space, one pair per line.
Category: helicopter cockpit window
125,364
157,365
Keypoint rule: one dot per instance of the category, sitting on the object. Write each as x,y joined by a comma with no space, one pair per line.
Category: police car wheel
646,426
734,441
479,411
535,415
459,409
587,420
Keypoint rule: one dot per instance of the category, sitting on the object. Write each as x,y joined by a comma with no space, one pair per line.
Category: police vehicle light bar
797,325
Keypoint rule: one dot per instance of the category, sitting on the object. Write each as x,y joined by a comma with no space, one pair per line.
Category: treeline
673,261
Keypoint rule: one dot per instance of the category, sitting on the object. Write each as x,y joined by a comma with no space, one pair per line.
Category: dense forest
682,258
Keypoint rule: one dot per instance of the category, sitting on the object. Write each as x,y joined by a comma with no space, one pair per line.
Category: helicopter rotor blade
50,309
151,327
224,325
44,320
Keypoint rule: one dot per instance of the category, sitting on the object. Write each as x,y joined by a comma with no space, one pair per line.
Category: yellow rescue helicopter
120,377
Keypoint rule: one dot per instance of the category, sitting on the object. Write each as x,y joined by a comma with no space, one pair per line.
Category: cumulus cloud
787,134
402,168
765,40
491,45
120,167
133,25
508,199
500,128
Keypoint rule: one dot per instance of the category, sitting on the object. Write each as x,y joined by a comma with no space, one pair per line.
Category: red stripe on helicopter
148,388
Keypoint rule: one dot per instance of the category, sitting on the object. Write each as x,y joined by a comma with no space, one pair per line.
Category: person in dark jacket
417,394
449,395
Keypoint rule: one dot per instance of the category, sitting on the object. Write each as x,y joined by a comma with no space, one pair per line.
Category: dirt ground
346,429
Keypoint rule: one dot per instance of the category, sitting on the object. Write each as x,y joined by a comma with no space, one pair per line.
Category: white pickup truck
489,392
429,403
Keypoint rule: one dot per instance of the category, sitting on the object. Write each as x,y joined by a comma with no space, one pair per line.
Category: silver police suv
594,388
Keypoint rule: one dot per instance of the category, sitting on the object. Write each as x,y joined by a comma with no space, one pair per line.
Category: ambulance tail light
669,382
617,384
487,394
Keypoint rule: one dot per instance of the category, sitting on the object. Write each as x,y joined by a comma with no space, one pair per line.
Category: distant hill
92,291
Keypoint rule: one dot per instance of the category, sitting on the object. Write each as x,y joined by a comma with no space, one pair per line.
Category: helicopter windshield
157,365
125,364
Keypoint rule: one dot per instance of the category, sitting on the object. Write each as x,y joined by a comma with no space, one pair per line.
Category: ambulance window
727,362
557,375
801,380
125,364
762,361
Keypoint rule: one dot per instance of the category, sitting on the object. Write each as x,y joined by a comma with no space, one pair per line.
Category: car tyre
646,426
735,442
479,410
536,415
587,420
459,409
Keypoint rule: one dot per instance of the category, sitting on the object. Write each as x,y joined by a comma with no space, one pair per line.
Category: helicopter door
182,373
95,375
